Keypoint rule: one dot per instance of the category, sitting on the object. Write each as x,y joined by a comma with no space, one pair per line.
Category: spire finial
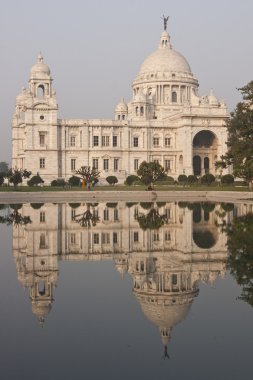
165,21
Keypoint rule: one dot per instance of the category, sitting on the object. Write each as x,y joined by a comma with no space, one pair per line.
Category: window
118,117
73,214
114,140
167,141
156,141
95,163
72,238
106,164
136,142
40,91
42,163
106,214
95,238
168,213
174,97
136,164
167,236
116,164
123,117
95,141
136,213
73,164
174,279
42,139
105,140
72,140
42,217
136,236
95,214
116,214
156,161
115,238
42,241
142,111
105,238
156,236
167,165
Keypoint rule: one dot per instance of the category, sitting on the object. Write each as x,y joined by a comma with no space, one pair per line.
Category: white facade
166,121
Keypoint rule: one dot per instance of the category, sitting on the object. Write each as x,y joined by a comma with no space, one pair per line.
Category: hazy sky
95,49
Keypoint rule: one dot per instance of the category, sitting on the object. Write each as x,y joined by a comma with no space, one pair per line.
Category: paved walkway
128,196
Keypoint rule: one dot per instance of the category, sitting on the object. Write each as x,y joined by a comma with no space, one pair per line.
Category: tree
240,261
4,167
240,137
16,176
88,175
150,172
1,179
112,180
152,220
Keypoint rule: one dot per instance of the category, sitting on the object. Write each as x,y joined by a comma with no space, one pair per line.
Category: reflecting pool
126,290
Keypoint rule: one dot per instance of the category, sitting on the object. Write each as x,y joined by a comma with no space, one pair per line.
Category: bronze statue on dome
165,21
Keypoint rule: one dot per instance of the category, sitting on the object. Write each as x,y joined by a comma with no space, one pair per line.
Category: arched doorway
205,147
197,165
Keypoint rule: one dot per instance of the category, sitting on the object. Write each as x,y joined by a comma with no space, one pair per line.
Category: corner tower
36,138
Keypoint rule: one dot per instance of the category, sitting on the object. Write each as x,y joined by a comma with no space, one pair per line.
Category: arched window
137,111
142,111
40,91
174,97
42,288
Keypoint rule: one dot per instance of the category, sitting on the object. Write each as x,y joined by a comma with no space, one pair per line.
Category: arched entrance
205,149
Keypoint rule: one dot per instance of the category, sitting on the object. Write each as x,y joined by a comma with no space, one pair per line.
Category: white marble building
166,121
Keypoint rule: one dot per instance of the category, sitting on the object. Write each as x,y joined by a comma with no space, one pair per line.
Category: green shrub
131,179
227,206
206,206
35,181
1,179
207,179
111,204
227,179
36,206
74,205
192,179
74,181
111,179
182,178
58,182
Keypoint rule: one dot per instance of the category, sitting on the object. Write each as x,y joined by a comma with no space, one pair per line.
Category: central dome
165,60
165,64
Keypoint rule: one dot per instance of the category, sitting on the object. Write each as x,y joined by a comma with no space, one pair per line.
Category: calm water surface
126,291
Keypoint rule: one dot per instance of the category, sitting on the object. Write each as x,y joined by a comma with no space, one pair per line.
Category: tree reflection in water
152,220
14,218
240,260
89,217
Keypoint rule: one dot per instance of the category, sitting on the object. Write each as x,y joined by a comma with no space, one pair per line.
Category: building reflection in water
167,260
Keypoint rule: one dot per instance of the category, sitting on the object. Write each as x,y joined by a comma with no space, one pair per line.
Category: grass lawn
158,187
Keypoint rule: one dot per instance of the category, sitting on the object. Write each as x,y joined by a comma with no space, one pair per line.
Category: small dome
122,106
40,68
165,59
